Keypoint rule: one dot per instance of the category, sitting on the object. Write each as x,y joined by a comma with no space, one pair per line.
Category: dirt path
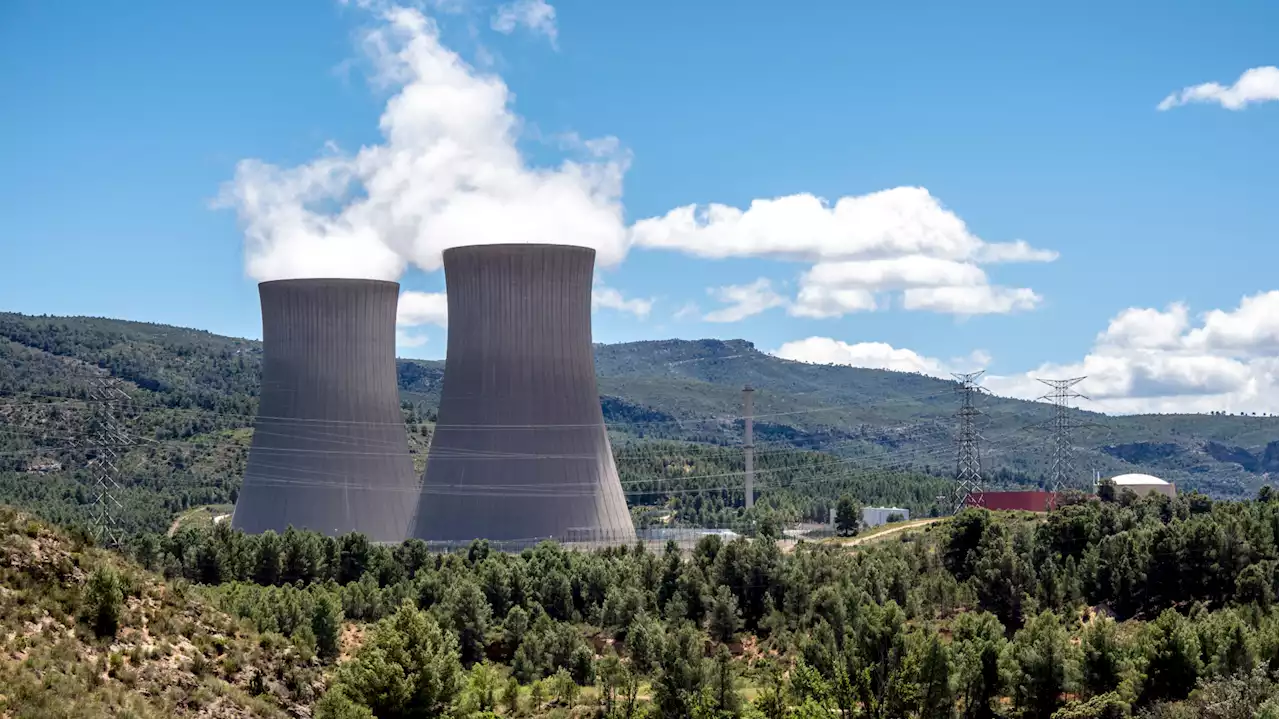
913,524
788,543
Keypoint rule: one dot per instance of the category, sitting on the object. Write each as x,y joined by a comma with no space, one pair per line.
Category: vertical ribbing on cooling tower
520,450
330,452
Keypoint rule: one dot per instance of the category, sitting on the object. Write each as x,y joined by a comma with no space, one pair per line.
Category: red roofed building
1029,501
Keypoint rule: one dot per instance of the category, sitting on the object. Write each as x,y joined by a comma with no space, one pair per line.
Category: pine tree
931,661
335,704
326,624
978,644
469,616
408,668
848,516
721,678
1042,653
266,560
725,620
1103,662
482,687
771,701
680,678
511,696
1172,652
644,644
103,602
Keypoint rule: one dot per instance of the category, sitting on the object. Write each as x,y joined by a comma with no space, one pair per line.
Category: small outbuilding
876,516
1142,484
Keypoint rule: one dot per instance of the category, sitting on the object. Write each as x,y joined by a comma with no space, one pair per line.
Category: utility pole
109,440
1061,470
748,445
968,486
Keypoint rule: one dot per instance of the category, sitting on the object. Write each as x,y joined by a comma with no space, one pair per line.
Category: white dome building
1142,484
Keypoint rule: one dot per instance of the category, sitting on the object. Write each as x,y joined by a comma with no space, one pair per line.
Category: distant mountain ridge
691,389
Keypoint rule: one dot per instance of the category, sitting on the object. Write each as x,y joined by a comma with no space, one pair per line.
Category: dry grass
173,655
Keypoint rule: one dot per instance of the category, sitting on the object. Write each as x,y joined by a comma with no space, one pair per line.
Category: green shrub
103,602
335,704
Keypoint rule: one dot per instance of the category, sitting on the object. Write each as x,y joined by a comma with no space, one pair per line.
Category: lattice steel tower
968,487
1062,470
109,442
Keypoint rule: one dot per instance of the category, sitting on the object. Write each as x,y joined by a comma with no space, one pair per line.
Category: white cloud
535,15
1016,251
1253,328
1146,328
1147,360
408,340
970,300
890,240
744,301
903,220
447,172
1145,381
818,301
687,311
875,355
422,308
898,272
1260,84
611,298
831,289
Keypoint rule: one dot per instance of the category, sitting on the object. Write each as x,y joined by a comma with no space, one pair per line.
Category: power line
968,486
901,462
1062,469
565,489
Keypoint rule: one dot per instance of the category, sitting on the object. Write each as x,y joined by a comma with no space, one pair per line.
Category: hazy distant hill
854,411
662,389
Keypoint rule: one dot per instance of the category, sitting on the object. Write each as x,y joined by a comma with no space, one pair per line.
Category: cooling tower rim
328,281
517,247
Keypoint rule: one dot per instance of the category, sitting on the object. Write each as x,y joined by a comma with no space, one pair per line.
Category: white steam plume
446,173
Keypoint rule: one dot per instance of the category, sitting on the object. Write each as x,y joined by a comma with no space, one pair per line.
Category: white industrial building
1142,484
876,516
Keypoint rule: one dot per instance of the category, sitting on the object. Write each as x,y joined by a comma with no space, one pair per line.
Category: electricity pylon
108,442
967,491
1062,468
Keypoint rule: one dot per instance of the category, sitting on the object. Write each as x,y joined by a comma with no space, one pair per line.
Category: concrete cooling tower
330,452
520,451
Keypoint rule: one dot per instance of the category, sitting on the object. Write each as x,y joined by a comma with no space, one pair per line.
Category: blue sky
1030,123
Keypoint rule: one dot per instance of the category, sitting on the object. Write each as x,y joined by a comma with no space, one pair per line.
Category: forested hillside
1156,609
673,409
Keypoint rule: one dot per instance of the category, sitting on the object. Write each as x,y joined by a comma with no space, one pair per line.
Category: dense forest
1159,608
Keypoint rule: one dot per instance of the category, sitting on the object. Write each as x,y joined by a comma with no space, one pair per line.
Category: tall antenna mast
109,441
968,486
1062,469
748,445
